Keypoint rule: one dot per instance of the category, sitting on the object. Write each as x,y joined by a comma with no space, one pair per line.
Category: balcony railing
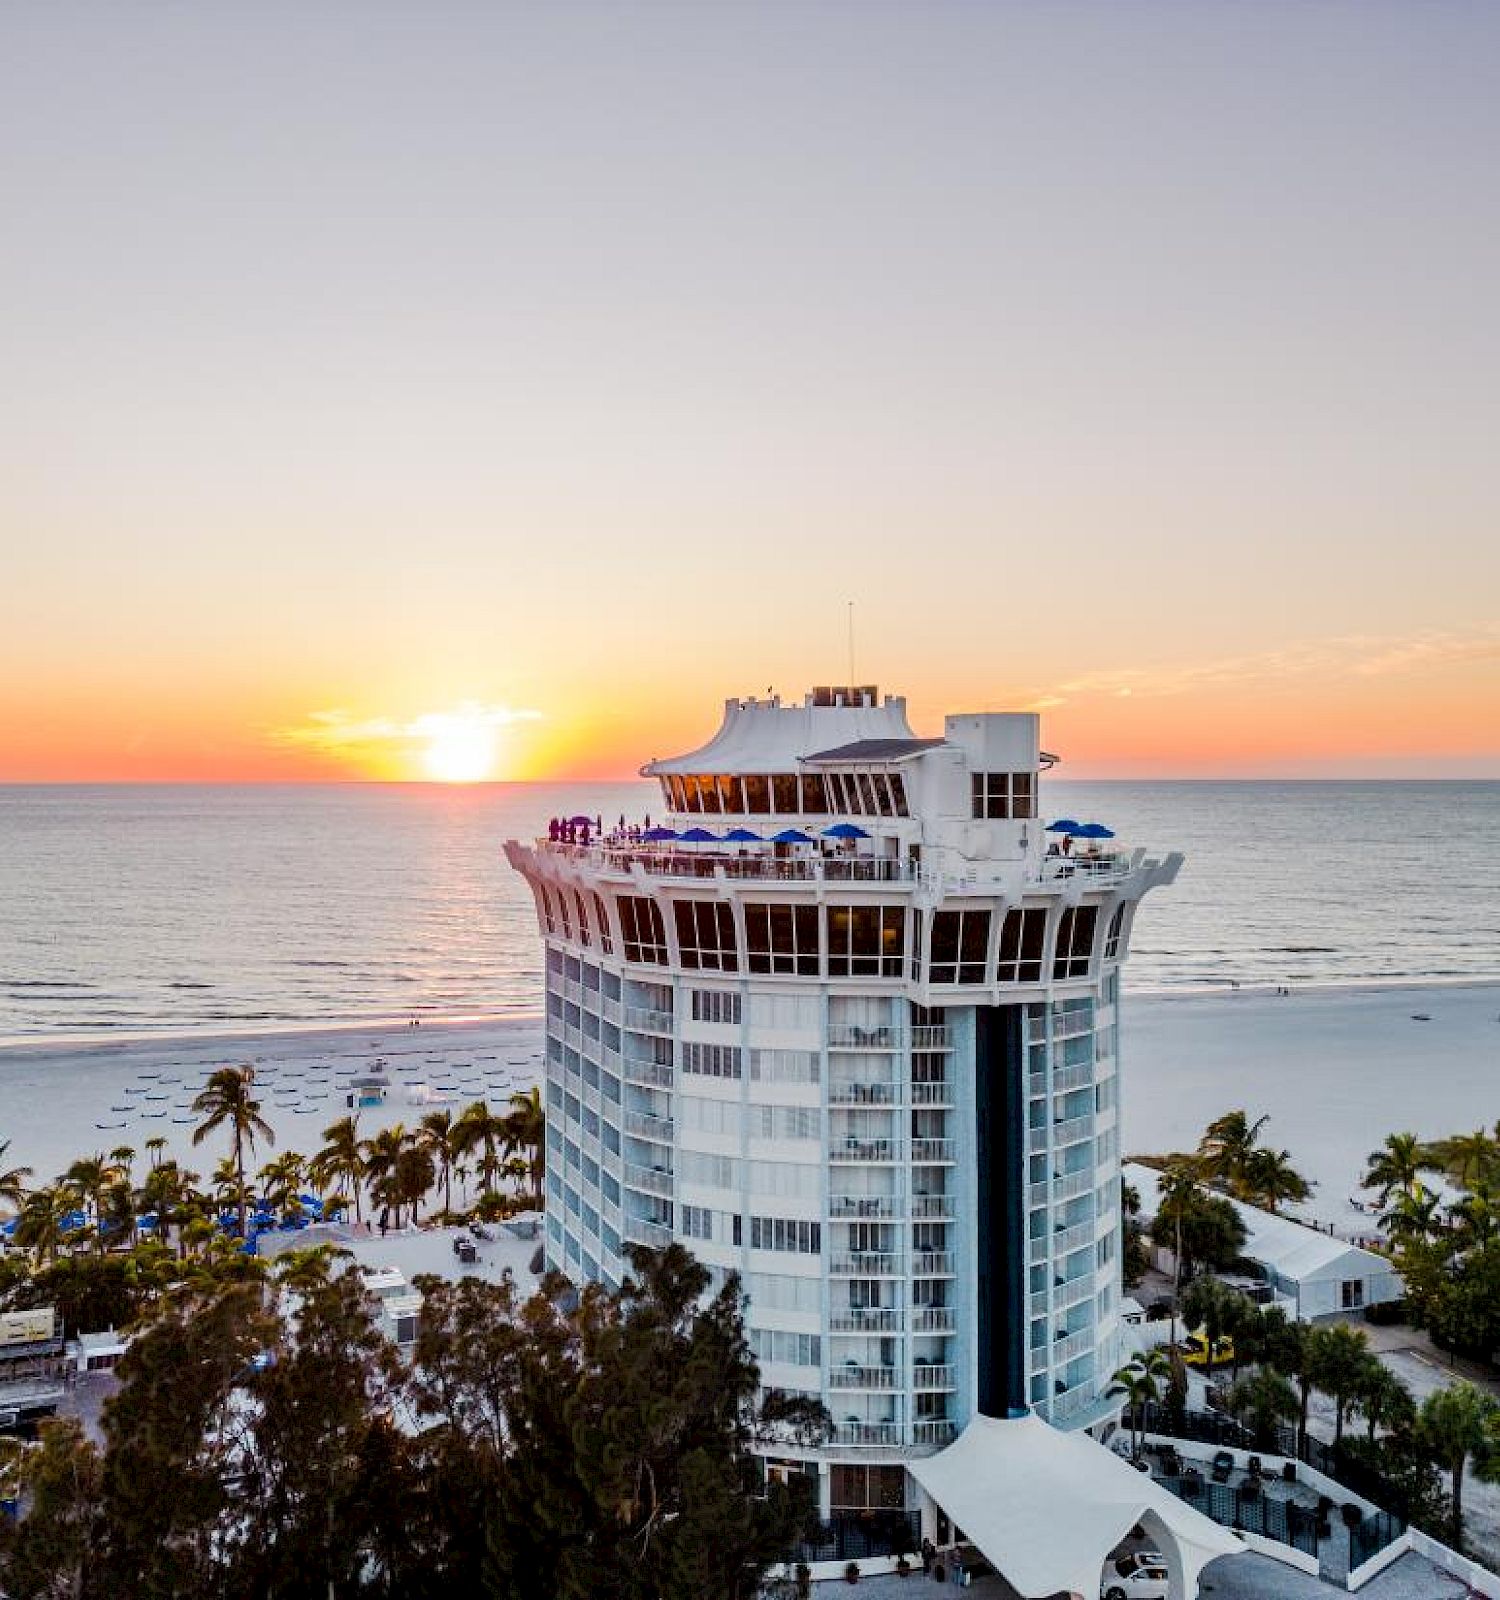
1070,1347
940,1150
849,1037
1066,1240
932,1264
653,1074
1072,1130
866,1264
938,1430
1072,1293
649,1127
933,1319
855,1377
654,1180
931,1377
1071,1403
865,1319
931,1037
868,1435
932,1207
864,1094
865,1150
653,1234
644,1020
860,1206
1105,867
932,1094
668,863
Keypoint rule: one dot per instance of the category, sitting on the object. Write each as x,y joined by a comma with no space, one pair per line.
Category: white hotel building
875,1075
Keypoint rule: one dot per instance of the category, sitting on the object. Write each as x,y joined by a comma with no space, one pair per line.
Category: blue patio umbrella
658,835
1094,830
845,830
743,836
1063,825
791,836
698,836
581,822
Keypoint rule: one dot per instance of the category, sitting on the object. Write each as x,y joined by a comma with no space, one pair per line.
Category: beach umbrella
658,835
581,822
791,836
1094,830
1063,825
743,836
845,830
698,836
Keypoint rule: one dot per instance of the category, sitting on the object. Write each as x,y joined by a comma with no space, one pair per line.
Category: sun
460,748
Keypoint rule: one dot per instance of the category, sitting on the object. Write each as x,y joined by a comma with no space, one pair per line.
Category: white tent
1046,1508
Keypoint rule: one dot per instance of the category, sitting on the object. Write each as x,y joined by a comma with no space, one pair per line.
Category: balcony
865,1150
868,1435
1106,867
1066,1240
646,1126
652,1234
932,1150
938,1430
933,1319
1061,1351
932,1094
864,1094
1072,1130
932,1264
850,1376
861,1206
644,1020
668,863
1070,1404
930,1378
653,1180
932,1208
865,1319
866,1264
931,1038
1073,1292
651,1074
848,1037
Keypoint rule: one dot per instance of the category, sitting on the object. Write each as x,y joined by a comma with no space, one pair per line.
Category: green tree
1469,1158
526,1130
1260,1400
1339,1364
1384,1401
1271,1181
12,1181
1397,1167
1226,1147
341,1160
480,1131
227,1100
1139,1384
50,1551
1217,1309
1460,1426
1413,1218
435,1132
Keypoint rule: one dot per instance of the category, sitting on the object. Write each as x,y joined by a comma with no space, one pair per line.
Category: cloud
1346,656
340,732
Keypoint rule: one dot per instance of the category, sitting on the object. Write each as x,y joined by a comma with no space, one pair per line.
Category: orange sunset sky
460,392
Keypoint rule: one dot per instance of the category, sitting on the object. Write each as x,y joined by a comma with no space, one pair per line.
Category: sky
450,390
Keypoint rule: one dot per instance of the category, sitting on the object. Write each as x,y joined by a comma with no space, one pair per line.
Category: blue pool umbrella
658,835
844,830
1063,825
698,836
1094,830
791,836
743,836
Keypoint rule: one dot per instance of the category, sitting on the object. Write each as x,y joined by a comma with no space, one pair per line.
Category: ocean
135,909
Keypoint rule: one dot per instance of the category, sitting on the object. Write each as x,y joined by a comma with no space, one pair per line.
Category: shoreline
102,1040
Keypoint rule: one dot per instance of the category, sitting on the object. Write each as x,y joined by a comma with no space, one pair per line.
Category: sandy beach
1336,1070
61,1101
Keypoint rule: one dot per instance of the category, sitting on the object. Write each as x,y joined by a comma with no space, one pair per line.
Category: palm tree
39,1226
1339,1363
342,1159
526,1129
1262,1399
1270,1180
381,1156
1397,1165
169,1192
1213,1306
1413,1218
1226,1147
479,1129
226,1099
435,1133
413,1174
1469,1158
1456,1425
155,1145
1474,1219
282,1180
123,1157
1177,1192
1383,1400
1138,1383
88,1178
13,1182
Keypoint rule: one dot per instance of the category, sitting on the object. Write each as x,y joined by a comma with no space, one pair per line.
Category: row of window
1003,794
786,1233
851,941
756,1121
788,794
791,1349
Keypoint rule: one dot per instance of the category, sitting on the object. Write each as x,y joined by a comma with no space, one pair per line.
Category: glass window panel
784,793
757,795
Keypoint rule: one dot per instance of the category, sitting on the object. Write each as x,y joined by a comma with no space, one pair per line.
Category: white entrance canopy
1045,1508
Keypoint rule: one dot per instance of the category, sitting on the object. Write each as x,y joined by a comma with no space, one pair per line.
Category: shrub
851,1572
1387,1313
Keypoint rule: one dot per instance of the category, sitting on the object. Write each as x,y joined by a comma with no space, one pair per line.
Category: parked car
1141,1575
1194,1350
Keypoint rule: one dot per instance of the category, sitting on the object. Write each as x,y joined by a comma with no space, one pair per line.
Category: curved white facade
874,1076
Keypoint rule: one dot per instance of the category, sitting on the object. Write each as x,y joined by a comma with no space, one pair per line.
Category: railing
591,1098
931,1377
652,1179
855,1377
865,1319
865,1435
653,1074
933,1036
1066,1240
1072,1130
932,1207
866,1264
1072,1293
932,1150
1070,1403
863,1205
669,863
939,1093
938,1431
649,1127
611,1010
653,1234
864,1094
1069,1185
849,1037
866,1150
933,1319
1374,1533
644,1020
1070,1346
932,1264
1102,867
863,1536
1269,1516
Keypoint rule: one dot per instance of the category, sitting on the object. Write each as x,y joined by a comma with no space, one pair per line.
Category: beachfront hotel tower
852,1032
